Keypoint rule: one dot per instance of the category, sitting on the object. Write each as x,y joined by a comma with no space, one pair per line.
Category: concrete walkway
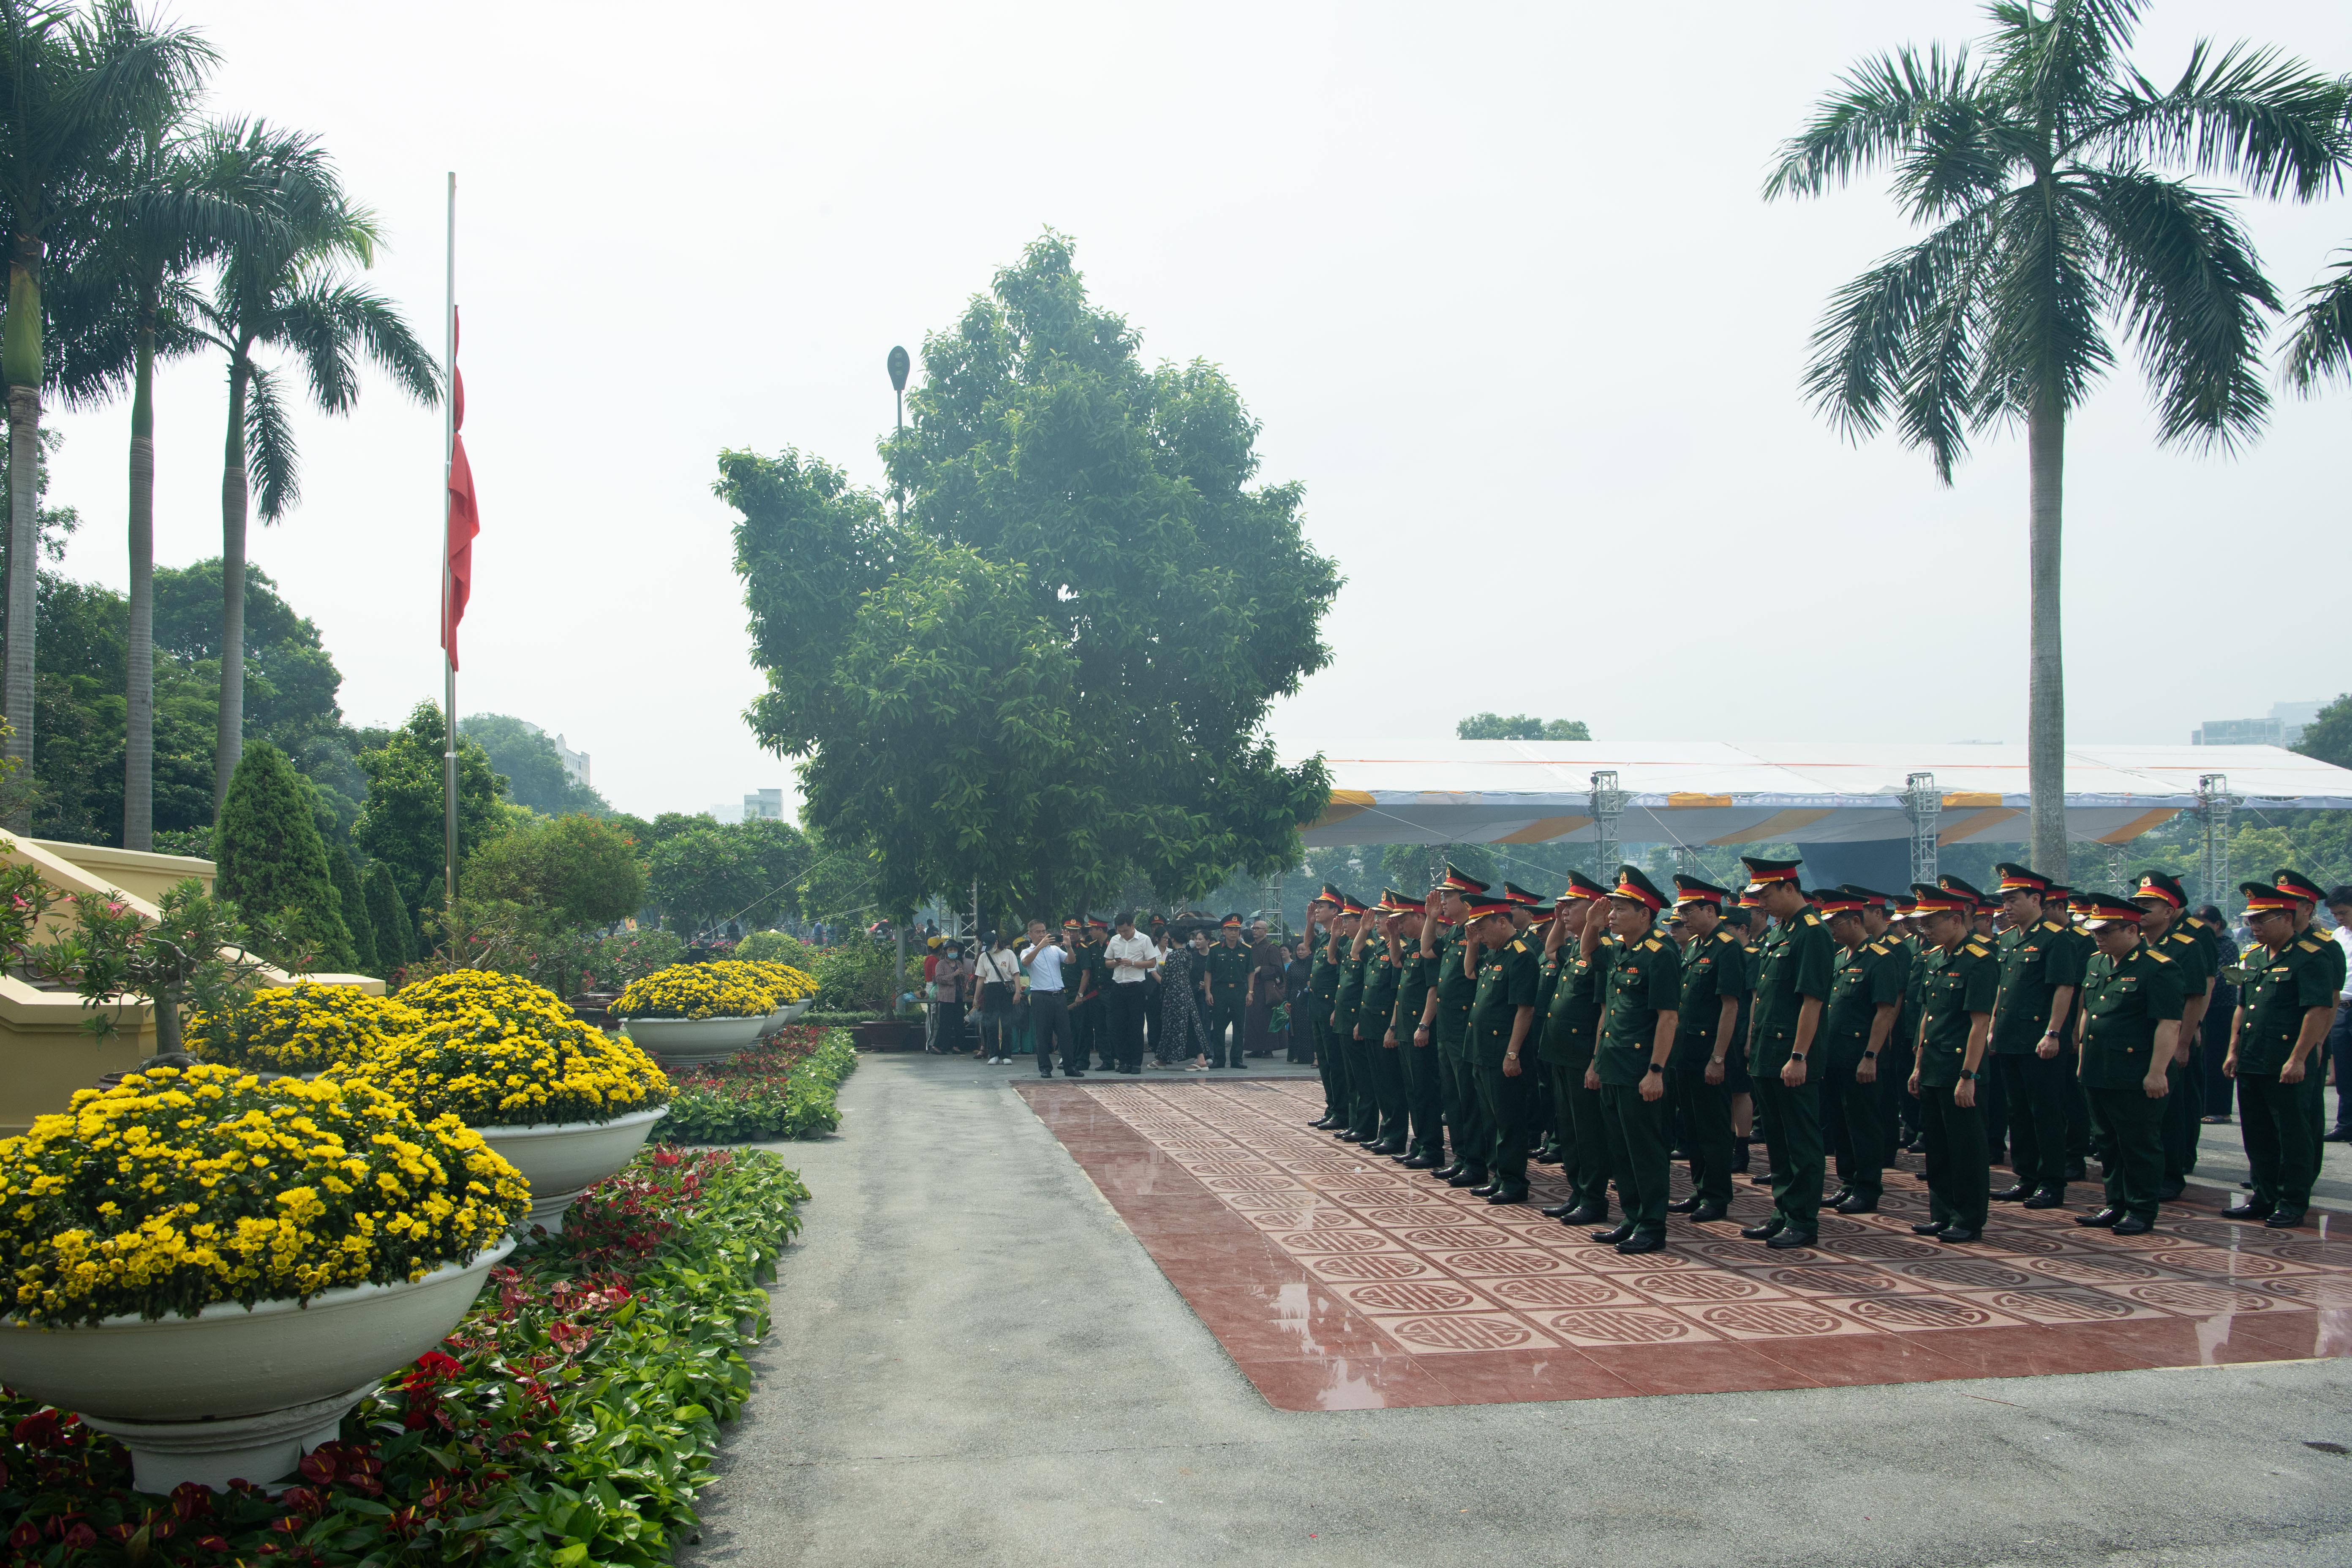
975,1363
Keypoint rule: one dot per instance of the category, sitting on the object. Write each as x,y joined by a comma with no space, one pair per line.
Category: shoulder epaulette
1975,949
1517,945
1880,947
1651,945
1725,936
2051,925
1812,919
2193,923
2306,944
2158,956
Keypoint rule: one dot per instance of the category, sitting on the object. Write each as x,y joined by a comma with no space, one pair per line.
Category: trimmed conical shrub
272,862
351,901
395,944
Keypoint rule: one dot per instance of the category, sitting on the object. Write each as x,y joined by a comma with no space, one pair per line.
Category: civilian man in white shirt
1132,958
2339,1034
1049,1005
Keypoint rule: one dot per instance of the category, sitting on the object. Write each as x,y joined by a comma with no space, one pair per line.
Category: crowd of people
1618,1029
1183,994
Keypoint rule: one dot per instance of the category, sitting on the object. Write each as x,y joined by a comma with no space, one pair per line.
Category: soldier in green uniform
1960,981
1228,967
2286,1001
2308,896
1570,1034
2128,1029
1346,995
1453,986
1893,1064
1502,1033
2040,968
2166,927
1322,984
1414,1042
1865,999
1381,1104
2059,899
1796,966
1747,1116
1714,978
1548,957
1085,972
1642,986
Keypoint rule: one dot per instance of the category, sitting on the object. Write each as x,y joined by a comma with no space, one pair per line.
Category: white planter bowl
686,1041
785,1015
562,1160
794,1009
238,1391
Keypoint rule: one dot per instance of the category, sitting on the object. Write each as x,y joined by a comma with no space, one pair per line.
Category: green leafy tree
1073,642
534,773
401,826
701,878
567,873
2328,736
2050,176
1520,727
350,901
272,862
74,88
288,290
396,941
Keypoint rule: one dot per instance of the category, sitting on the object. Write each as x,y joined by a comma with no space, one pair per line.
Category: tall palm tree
176,202
2322,344
289,292
2050,180
74,88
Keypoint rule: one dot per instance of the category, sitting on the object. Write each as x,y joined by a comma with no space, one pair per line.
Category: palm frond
2253,115
2322,343
1867,351
1873,117
270,460
2192,295
2045,298
2057,64
331,323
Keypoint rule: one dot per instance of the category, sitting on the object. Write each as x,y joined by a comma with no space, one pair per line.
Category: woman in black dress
1294,974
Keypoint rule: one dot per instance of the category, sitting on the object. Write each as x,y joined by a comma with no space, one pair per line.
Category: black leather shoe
1958,1233
1837,1197
2284,1219
2247,1210
1765,1232
1585,1214
2047,1198
2169,1191
1424,1161
1683,1206
1790,1239
1323,1123
2132,1224
2339,1135
2102,1218
1546,1156
1557,1211
1706,1214
1929,1226
2016,1195
1641,1241
1348,1135
1487,1188
1394,1147
1081,1073
1857,1203
1470,1177
1511,1194
1615,1234
1761,1179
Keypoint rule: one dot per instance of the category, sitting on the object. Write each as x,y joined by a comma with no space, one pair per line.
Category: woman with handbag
999,973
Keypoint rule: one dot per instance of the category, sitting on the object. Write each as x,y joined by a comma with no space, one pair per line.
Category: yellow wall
45,1052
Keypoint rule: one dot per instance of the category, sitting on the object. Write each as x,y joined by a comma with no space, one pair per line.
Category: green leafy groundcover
570,1420
781,1087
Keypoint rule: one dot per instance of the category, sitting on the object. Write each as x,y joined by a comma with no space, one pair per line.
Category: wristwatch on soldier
1796,1056
1966,1073
1870,1056
1654,1068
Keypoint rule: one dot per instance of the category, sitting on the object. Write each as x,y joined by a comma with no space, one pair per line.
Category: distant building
725,811
574,762
2282,728
764,806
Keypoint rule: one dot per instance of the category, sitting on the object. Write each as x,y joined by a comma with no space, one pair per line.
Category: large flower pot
685,1041
562,1159
794,1009
785,1015
236,1392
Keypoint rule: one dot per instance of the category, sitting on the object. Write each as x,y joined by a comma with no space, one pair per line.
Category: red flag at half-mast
465,522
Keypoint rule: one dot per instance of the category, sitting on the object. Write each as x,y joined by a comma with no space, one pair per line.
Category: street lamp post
899,365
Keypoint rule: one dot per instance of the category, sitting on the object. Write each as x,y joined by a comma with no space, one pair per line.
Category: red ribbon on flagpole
465,520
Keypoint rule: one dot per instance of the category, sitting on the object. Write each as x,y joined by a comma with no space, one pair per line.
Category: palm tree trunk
2045,722
139,715
229,742
20,366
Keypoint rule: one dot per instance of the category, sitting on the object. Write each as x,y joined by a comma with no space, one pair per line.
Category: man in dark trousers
1959,979
2040,967
1796,966
1714,977
2126,1033
1228,967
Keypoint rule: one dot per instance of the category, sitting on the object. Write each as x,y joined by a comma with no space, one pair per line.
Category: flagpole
449,655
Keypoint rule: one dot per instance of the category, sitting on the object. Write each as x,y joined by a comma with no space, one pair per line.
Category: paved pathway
975,1363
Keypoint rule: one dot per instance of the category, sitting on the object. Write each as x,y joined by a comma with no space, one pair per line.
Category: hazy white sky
1498,281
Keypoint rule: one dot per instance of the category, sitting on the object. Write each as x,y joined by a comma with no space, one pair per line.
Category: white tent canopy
1705,792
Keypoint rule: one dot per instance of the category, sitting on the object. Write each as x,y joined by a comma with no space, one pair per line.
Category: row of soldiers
1449,1027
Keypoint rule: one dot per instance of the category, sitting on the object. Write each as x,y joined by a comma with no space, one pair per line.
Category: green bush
855,976
272,863
778,947
781,1089
350,900
611,962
